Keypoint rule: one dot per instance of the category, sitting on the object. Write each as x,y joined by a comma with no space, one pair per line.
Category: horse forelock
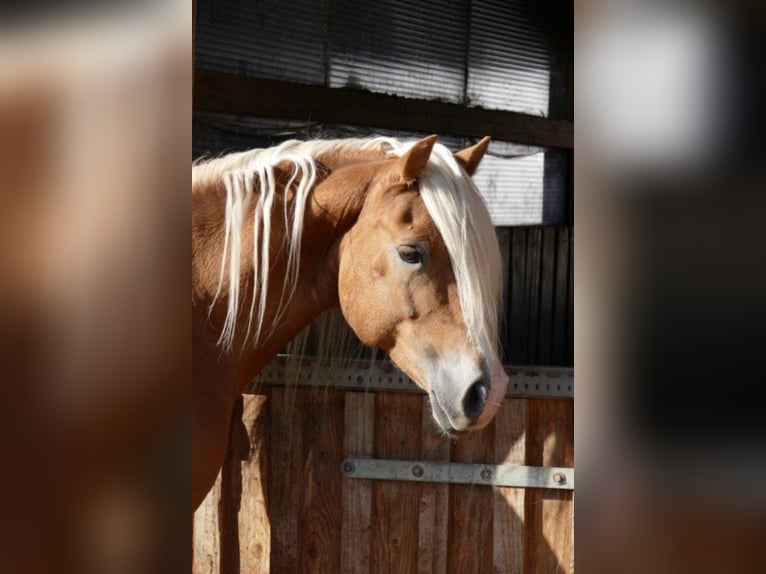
462,218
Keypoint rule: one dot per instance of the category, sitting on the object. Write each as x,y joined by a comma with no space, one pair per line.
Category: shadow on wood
285,456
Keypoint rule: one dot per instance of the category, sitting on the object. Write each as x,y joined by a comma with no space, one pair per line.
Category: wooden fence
539,294
283,503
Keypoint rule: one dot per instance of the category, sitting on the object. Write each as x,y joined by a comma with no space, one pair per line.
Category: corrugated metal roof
283,40
411,49
509,63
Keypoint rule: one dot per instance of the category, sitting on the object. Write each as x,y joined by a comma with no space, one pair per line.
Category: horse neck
332,208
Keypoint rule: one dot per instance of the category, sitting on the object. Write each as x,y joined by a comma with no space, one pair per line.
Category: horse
394,234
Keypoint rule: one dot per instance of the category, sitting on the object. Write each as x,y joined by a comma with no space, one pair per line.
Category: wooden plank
558,506
231,491
561,293
519,306
244,95
471,507
532,288
322,498
206,548
358,434
286,463
433,522
254,527
510,448
504,241
545,324
395,504
534,555
549,513
570,302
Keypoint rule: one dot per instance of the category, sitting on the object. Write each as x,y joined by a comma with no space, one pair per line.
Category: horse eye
411,254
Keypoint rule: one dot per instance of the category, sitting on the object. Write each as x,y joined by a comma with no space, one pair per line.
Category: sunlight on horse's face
398,293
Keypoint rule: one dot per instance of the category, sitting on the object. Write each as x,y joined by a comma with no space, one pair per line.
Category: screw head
486,474
417,471
559,478
348,467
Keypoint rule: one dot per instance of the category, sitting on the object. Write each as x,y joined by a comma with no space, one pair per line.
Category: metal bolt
559,478
417,471
348,467
486,474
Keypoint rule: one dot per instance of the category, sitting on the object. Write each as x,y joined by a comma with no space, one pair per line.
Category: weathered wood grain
570,299
326,524
359,417
532,290
549,513
395,504
510,448
547,278
433,522
471,508
231,491
285,484
558,506
561,296
254,528
206,551
504,240
519,308
322,499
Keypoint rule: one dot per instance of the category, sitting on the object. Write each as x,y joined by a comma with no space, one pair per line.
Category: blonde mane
448,193
462,218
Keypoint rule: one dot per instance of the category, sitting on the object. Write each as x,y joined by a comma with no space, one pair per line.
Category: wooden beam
244,95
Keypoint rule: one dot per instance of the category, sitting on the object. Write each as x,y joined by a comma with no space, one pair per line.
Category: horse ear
412,163
470,157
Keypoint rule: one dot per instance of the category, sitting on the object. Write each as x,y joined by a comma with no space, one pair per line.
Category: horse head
420,277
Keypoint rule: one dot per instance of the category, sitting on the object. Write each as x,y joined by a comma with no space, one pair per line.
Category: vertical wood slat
471,506
358,438
433,522
538,310
504,240
547,278
519,310
206,552
395,504
561,296
285,502
532,290
510,448
558,506
549,513
570,302
322,498
253,519
231,491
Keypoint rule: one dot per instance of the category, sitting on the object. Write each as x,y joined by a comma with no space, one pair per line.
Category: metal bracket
525,382
460,473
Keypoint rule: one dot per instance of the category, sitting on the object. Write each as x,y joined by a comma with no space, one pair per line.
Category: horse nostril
474,399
